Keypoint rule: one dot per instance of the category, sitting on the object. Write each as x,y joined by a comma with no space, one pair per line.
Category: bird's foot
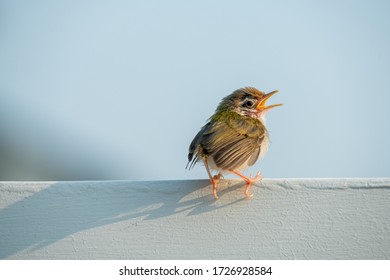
217,177
248,181
256,178
215,180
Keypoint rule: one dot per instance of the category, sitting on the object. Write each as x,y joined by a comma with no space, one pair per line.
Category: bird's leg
213,179
247,180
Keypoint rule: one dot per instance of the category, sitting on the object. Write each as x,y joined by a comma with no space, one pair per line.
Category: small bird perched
235,136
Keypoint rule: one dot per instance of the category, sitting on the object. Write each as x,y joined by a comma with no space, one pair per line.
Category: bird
234,137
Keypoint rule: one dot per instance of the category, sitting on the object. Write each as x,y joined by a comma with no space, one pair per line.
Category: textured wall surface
286,219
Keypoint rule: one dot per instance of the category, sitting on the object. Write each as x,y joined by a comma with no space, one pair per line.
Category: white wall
286,219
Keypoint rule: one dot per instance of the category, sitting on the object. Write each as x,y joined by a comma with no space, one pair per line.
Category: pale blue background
118,89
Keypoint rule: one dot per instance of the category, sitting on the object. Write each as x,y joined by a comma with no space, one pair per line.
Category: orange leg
213,179
248,181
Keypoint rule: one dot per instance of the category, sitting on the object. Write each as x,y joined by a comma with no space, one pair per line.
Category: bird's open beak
261,106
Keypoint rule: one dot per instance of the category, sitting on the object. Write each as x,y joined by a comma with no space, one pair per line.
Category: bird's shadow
62,209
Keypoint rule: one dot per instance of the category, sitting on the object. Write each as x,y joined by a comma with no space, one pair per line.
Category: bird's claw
215,180
249,182
256,178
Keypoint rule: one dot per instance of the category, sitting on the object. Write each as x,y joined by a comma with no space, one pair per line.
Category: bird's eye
249,103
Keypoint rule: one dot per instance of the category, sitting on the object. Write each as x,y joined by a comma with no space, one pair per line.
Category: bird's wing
195,147
232,142
254,157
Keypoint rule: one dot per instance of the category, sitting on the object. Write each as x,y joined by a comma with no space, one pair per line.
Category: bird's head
248,102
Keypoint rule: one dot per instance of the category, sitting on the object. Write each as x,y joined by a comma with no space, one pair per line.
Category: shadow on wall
66,208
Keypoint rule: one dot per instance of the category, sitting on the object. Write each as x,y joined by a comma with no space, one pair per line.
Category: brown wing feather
195,150
230,143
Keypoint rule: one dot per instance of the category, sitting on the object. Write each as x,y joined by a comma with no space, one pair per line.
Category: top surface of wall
286,219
